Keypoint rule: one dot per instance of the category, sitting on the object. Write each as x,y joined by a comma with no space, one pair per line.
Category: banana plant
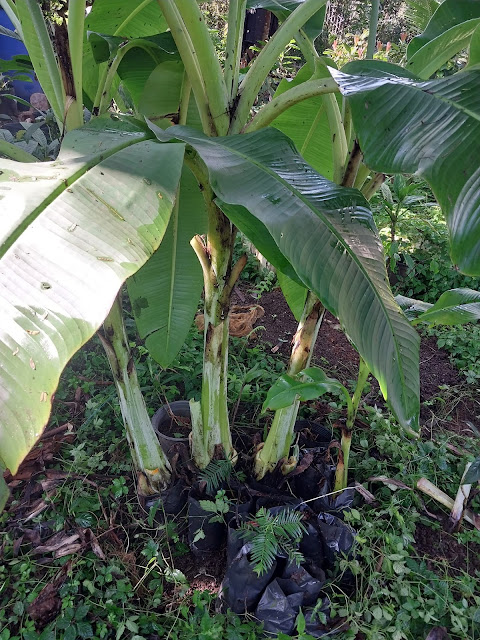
310,384
79,227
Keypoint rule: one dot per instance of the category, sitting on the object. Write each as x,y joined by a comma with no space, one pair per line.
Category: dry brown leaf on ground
89,537
39,506
241,319
48,603
56,542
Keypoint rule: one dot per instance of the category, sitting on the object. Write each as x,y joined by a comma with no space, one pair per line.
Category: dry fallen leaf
14,353
32,333
56,542
32,364
43,396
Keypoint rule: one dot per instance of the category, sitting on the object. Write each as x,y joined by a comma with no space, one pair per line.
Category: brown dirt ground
334,352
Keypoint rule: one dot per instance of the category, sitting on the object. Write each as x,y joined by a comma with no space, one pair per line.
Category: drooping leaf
283,8
307,385
448,32
412,308
306,123
9,33
125,19
456,306
327,235
430,128
166,291
76,229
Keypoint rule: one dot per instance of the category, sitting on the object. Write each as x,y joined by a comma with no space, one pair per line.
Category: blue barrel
9,47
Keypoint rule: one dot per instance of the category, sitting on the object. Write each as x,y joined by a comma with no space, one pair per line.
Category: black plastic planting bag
242,587
313,435
198,524
338,537
171,501
334,504
311,545
278,611
296,579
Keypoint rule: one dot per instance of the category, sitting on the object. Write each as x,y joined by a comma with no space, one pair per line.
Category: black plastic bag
296,579
311,545
278,611
198,523
171,501
338,537
313,435
242,587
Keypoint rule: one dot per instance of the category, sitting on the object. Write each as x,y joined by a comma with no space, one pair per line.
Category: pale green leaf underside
456,306
327,234
430,128
61,272
166,291
295,294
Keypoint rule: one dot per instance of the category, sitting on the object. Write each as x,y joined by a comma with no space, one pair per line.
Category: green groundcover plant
130,196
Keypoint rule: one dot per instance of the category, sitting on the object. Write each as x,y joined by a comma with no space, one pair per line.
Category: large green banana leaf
294,293
124,18
306,123
474,50
151,70
71,232
327,235
456,306
165,292
419,12
448,32
429,128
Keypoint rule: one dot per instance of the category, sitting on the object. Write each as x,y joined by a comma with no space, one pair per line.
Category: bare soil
334,352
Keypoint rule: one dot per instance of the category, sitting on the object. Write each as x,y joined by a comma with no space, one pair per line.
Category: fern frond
264,550
270,534
215,473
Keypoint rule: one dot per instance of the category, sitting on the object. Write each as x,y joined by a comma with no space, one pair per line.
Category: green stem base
148,457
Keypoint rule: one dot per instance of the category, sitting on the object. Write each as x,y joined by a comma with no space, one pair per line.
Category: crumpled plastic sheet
296,579
242,587
338,537
278,612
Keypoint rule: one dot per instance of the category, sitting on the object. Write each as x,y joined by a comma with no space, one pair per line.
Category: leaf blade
327,234
79,237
